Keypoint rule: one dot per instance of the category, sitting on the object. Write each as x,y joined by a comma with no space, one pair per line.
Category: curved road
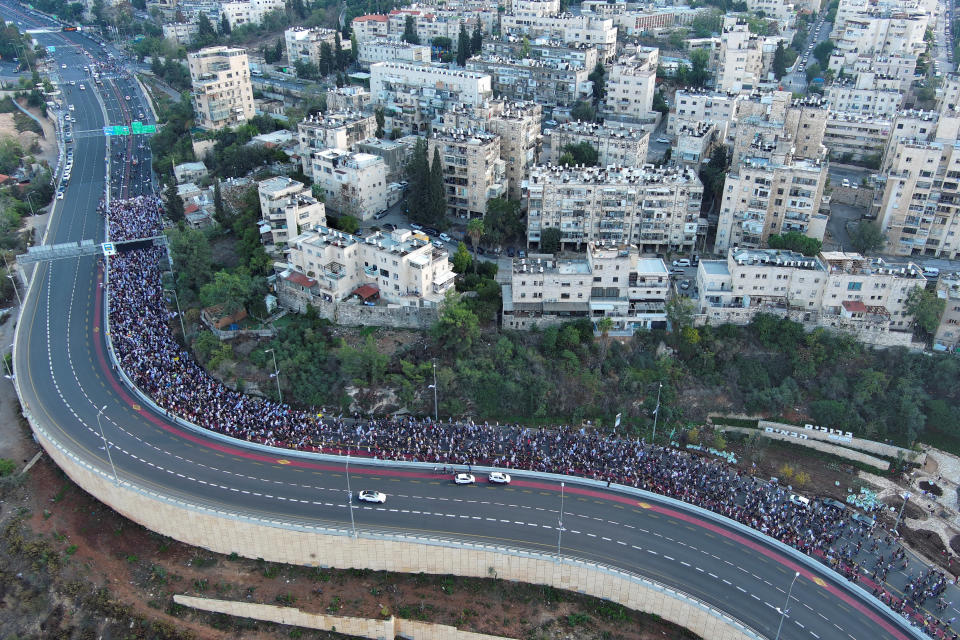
64,377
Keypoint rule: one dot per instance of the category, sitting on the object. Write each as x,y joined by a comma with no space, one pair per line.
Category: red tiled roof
854,306
366,291
190,208
298,278
370,18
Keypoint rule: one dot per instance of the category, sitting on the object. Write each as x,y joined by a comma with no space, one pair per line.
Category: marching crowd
159,366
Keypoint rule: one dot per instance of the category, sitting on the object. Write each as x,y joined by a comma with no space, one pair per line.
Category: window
854,286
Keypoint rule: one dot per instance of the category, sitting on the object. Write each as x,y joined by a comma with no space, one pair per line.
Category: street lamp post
906,497
656,415
106,445
436,413
783,612
15,289
176,299
353,526
560,521
30,202
276,372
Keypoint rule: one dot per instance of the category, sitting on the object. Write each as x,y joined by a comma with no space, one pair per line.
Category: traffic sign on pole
109,249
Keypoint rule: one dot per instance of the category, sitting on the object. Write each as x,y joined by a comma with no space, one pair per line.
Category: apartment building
249,11
631,84
412,95
397,268
350,98
695,143
866,96
180,32
542,49
428,23
612,281
370,27
879,32
472,169
947,337
333,131
222,93
583,30
797,125
852,136
372,51
913,124
653,19
740,57
395,153
560,84
774,9
305,45
518,125
948,94
286,208
895,71
657,209
615,145
693,106
539,8
353,183
841,290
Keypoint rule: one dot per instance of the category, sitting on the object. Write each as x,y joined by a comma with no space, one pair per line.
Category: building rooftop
612,175
651,265
272,186
775,258
715,267
611,130
468,136
566,267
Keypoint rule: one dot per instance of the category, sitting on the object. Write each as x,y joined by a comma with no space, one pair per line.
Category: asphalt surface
61,367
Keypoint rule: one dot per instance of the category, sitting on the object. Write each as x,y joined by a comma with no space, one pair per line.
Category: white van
799,500
931,272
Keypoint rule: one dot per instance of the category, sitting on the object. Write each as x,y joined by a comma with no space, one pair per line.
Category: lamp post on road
13,281
436,413
276,372
656,415
560,521
353,526
176,299
906,497
106,445
783,612
30,202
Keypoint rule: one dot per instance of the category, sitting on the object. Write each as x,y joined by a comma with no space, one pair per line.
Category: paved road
64,378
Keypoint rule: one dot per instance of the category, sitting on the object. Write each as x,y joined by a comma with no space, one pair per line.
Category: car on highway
663,140
498,477
60,195
82,87
372,496
63,66
72,108
464,478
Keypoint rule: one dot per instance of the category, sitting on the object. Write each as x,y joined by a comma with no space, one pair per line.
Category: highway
62,369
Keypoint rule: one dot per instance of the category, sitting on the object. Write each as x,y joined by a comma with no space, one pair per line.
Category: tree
418,175
457,327
795,241
233,291
354,47
443,43
660,104
475,231
503,222
219,211
550,240
604,326
410,31
206,34
699,73
822,52
326,65
173,205
341,57
438,196
381,120
476,40
779,61
599,78
461,259
926,308
278,49
192,258
463,46
679,311
224,25
581,153
867,236
583,111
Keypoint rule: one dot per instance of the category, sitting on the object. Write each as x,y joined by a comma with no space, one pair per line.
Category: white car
498,477
663,140
464,478
372,496
63,66
682,262
72,108
445,237
59,195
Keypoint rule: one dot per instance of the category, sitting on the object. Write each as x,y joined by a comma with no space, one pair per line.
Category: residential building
853,136
180,32
560,84
658,209
571,29
542,49
797,123
612,281
249,11
518,125
865,96
539,8
222,93
395,153
695,143
383,50
840,290
333,131
877,32
740,57
412,94
370,27
631,84
399,268
948,95
947,337
189,172
615,145
693,106
430,23
287,207
472,169
353,183
895,71
305,45
914,125
350,98
779,10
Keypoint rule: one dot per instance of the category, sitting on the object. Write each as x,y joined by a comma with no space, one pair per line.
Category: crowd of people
147,351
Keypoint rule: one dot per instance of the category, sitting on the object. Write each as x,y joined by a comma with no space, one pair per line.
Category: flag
617,422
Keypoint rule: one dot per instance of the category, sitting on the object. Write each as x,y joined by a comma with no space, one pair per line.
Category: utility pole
656,415
276,372
906,497
783,612
106,445
179,313
560,521
353,526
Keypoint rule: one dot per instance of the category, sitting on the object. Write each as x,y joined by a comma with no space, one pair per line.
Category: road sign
51,49
109,249
138,128
108,131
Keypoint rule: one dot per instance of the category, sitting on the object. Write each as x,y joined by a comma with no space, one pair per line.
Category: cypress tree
438,198
463,46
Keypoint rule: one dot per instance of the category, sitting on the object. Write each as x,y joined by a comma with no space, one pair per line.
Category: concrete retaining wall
842,452
362,627
276,541
359,315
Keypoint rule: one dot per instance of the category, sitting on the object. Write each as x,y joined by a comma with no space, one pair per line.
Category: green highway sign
139,128
135,128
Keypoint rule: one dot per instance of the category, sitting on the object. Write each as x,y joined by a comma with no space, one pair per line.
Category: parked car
511,252
685,285
835,504
682,262
445,237
663,140
438,244
372,496
799,500
415,226
464,478
498,477
430,231
864,519
522,253
676,272
381,215
389,227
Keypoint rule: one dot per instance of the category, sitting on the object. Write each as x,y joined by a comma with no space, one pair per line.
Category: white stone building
631,84
222,92
286,208
472,169
383,50
305,45
583,29
244,12
615,145
333,131
353,183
